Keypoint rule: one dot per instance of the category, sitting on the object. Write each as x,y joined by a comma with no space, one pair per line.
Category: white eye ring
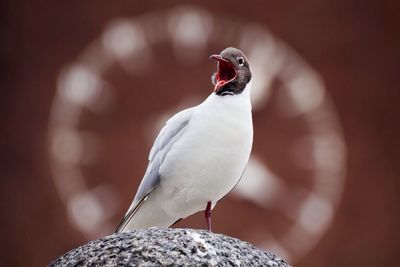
240,61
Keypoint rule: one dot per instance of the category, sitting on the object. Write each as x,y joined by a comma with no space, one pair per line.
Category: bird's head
233,72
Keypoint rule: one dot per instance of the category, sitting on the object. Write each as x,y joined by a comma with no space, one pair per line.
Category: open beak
226,72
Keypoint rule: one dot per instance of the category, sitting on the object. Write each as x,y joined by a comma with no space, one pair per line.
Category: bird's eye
240,61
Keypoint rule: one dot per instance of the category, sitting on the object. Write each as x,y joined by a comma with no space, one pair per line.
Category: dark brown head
233,72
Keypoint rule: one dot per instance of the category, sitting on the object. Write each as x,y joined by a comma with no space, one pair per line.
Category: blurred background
86,86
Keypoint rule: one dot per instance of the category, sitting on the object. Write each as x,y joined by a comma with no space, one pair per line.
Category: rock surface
168,247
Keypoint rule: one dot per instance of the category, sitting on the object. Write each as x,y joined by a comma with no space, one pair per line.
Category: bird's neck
230,103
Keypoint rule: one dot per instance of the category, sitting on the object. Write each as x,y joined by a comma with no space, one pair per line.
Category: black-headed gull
201,152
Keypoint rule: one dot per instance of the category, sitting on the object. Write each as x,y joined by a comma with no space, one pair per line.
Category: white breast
210,157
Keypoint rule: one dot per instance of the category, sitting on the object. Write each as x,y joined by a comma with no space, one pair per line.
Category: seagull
200,154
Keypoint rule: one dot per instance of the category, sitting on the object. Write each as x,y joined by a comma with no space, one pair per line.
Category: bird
201,152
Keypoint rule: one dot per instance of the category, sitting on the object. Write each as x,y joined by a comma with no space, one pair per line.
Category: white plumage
198,157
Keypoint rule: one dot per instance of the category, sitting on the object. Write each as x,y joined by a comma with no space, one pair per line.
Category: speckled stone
168,247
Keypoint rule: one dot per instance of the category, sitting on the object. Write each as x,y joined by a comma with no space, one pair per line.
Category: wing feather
168,135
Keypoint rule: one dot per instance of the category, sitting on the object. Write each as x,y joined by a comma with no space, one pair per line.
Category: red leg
207,213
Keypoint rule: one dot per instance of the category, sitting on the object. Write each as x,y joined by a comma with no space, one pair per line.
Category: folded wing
168,135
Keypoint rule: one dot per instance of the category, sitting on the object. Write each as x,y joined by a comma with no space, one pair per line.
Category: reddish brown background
353,44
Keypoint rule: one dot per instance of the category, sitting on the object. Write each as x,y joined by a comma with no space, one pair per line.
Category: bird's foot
207,214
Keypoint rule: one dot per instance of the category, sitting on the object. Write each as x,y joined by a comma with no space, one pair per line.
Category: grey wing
168,135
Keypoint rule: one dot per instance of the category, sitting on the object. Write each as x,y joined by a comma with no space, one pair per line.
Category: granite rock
168,247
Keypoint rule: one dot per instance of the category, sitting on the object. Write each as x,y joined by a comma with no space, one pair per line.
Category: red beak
226,71
217,57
